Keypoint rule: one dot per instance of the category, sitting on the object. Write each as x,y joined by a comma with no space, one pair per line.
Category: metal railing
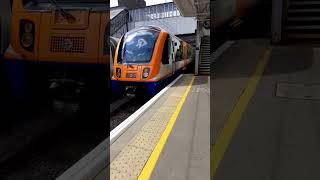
158,11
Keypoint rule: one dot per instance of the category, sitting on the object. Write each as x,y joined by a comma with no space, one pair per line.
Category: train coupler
131,90
65,89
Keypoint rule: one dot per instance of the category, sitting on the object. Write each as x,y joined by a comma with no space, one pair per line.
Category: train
147,59
58,48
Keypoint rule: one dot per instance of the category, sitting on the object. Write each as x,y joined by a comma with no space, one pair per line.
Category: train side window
165,53
179,53
189,52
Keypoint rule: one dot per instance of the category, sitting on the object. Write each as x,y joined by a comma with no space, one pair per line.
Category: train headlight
28,27
118,72
26,34
27,40
146,72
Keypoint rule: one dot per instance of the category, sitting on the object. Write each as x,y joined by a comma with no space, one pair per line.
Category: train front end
56,44
137,63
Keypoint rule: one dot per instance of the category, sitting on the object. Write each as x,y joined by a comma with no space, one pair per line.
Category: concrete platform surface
187,151
134,150
278,134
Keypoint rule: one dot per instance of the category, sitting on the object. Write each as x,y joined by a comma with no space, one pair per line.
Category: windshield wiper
63,12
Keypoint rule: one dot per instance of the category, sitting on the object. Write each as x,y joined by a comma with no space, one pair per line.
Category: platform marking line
231,124
152,161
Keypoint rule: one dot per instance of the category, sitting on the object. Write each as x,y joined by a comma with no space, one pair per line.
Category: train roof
155,28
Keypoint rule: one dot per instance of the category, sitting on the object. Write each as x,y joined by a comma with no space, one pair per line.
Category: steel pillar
198,44
279,9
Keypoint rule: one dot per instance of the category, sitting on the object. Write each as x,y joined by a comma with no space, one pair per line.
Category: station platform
167,138
265,112
169,141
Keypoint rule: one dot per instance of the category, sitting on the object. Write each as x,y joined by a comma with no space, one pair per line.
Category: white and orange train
149,58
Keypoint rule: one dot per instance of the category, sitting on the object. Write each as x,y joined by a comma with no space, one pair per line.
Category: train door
172,55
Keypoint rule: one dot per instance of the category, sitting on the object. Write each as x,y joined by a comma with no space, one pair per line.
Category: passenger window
178,53
182,52
166,52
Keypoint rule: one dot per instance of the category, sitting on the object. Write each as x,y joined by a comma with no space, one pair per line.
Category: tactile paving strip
131,160
145,140
117,175
156,126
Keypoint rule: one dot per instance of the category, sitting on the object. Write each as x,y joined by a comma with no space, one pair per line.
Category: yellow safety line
231,124
149,166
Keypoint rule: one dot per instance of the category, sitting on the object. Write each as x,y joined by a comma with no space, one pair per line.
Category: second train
147,59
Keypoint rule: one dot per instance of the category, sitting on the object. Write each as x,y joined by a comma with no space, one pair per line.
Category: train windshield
138,46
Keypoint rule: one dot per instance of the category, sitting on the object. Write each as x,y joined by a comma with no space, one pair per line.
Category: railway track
45,145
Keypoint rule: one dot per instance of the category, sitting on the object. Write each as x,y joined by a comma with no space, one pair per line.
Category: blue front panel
152,88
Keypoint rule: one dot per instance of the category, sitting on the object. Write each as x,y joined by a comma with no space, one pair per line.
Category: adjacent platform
166,139
266,112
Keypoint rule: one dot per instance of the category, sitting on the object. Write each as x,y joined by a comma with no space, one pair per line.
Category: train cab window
165,52
138,46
